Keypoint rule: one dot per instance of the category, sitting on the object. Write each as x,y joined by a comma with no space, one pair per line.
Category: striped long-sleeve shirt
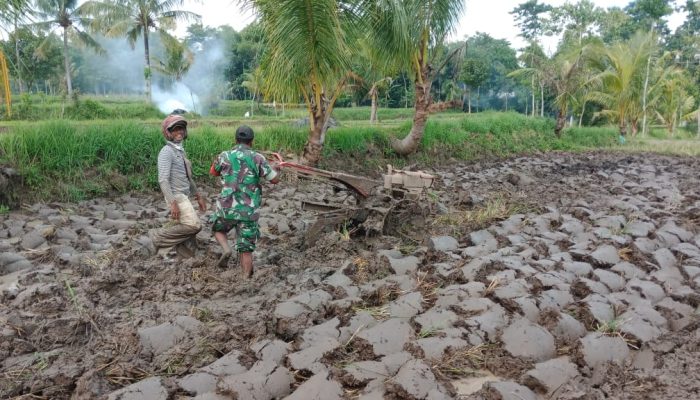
174,172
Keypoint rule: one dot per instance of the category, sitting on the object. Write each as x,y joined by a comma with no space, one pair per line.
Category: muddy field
550,277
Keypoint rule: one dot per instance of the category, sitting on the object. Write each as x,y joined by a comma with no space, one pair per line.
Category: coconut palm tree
13,13
373,93
370,76
565,82
620,81
8,13
562,75
533,57
253,82
675,104
138,18
72,19
307,56
411,33
178,59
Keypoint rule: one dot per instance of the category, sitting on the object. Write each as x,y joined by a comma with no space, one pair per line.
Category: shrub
87,109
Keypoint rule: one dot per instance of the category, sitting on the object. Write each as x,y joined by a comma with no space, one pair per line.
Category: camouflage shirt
241,170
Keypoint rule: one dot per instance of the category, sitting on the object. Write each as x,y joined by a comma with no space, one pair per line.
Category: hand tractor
381,206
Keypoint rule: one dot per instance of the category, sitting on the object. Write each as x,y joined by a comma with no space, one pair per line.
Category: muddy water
557,276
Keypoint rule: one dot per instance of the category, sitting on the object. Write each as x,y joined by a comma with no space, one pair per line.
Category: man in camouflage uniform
242,171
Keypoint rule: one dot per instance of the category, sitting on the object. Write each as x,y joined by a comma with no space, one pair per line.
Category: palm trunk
409,144
373,109
634,127
478,97
147,70
542,100
623,128
18,61
469,99
646,85
561,120
319,119
314,145
66,63
583,111
534,105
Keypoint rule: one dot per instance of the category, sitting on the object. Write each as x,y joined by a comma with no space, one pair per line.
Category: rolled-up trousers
182,232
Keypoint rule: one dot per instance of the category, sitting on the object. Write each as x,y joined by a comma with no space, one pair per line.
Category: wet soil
418,312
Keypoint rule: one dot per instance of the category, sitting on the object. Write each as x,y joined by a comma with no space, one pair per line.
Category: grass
36,107
501,134
684,142
491,288
493,210
75,160
73,297
610,328
377,312
429,332
203,314
613,327
237,108
461,362
360,266
684,147
59,159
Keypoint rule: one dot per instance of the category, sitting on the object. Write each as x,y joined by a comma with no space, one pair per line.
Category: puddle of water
473,384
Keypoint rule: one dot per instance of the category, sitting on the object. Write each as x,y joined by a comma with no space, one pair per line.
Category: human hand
174,211
201,202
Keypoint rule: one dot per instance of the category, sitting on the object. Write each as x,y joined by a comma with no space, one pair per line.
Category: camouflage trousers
180,234
247,232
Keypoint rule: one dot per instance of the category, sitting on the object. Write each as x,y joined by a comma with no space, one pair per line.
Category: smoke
121,71
177,96
206,76
118,71
204,79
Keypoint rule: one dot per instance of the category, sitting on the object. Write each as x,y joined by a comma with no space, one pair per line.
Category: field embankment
67,160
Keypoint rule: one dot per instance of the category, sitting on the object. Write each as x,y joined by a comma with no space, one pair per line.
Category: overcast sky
489,16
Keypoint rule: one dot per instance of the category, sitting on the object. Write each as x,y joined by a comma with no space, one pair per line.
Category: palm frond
132,35
86,40
306,44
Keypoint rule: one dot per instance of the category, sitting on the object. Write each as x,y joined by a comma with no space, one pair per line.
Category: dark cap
244,132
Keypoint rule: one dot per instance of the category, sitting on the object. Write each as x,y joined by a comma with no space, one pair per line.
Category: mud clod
588,289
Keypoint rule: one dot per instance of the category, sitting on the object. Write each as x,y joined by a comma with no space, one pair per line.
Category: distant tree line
620,65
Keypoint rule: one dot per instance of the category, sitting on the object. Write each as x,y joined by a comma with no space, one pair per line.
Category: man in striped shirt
177,184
